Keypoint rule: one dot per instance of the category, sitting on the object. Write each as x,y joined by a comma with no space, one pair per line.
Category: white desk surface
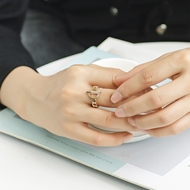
26,167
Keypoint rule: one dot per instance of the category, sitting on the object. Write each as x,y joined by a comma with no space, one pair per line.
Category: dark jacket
91,21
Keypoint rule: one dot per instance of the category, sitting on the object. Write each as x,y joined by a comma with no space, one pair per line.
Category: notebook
153,163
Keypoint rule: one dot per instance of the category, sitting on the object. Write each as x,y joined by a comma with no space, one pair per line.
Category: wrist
18,87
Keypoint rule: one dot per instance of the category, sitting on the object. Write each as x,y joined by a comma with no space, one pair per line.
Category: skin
167,107
59,103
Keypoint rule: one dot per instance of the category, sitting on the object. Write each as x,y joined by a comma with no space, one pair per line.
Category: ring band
94,94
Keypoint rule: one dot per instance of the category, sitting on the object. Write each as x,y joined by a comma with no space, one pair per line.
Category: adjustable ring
94,94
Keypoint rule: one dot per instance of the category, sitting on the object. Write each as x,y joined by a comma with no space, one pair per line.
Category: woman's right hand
59,103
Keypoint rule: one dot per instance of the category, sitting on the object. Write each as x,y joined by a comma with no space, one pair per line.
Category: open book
160,164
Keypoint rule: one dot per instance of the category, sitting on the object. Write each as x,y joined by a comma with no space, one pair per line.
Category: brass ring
94,94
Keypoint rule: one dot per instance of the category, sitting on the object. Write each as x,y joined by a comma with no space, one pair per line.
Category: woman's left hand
168,106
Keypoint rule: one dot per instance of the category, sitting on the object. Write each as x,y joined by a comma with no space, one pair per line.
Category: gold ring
94,94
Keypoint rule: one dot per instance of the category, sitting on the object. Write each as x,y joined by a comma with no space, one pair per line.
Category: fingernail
116,97
127,138
131,121
119,112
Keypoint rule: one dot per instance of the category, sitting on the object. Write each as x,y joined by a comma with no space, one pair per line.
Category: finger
164,117
103,76
83,133
92,76
121,72
120,79
147,77
154,99
105,119
175,128
103,99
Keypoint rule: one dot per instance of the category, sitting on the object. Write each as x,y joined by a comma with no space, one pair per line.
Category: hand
59,103
167,107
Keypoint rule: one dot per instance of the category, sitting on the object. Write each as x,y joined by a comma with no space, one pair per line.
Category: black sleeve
12,52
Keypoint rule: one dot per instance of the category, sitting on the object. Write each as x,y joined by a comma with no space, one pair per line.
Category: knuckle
77,70
147,77
108,120
156,134
68,92
174,130
117,141
68,130
118,72
128,110
184,55
98,140
165,119
131,110
69,111
155,99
